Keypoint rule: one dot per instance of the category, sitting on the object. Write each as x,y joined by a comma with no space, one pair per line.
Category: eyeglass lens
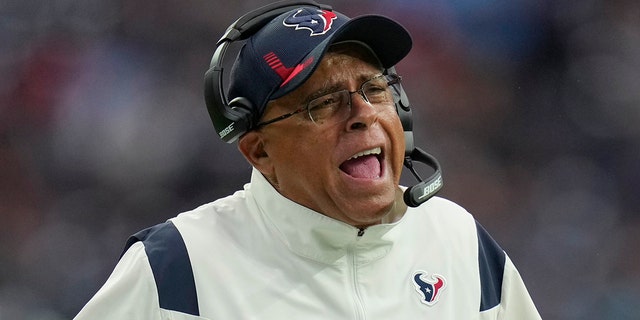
336,106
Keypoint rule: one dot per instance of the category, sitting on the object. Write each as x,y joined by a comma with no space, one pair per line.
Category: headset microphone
426,188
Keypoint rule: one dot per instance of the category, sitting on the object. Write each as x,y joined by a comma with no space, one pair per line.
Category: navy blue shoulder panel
171,267
491,259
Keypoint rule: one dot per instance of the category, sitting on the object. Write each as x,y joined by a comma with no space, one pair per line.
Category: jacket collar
311,234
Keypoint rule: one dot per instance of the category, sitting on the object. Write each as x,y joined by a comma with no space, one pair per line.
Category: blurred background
531,106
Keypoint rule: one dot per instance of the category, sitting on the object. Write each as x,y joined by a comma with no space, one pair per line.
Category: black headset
233,118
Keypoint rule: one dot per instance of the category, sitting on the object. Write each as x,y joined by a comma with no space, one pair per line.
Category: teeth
367,152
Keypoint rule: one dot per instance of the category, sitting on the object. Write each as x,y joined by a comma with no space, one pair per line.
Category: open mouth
364,165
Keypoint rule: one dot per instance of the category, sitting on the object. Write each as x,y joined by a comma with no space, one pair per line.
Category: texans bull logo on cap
318,22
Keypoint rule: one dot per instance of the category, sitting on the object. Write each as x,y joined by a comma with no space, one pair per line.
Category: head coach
323,230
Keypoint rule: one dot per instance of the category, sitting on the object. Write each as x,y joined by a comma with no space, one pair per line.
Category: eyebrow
326,89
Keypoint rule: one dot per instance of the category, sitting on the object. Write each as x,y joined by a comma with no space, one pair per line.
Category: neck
397,210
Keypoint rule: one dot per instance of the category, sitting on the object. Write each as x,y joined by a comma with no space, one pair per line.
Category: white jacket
258,255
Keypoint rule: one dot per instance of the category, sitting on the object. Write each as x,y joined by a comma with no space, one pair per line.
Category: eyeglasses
335,107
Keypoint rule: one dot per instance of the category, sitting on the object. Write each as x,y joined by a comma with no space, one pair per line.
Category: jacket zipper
353,277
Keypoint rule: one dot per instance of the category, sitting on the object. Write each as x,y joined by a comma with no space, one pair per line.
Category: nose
363,114
361,94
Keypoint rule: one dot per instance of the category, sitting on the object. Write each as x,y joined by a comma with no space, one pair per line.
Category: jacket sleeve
129,293
503,293
516,302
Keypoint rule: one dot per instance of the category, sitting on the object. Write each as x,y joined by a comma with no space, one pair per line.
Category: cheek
396,136
306,152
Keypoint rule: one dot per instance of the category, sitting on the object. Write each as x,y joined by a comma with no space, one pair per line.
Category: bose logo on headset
226,131
431,188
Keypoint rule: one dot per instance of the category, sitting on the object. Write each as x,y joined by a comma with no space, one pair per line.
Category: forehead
339,66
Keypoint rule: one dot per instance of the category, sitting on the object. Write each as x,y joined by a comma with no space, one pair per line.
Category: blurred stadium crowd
531,106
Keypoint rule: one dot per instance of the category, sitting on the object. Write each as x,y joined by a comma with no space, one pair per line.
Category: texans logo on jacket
429,287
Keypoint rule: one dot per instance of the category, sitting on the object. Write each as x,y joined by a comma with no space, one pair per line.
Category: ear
251,145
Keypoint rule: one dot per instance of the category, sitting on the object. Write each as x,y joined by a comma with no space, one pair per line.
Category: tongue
365,167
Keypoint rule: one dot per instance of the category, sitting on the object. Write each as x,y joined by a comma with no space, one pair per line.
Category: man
321,231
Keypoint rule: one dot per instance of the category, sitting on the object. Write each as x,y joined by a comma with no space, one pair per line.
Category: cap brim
388,40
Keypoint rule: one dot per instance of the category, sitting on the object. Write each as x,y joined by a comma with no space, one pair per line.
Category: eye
377,94
374,89
327,102
323,102
325,106
375,86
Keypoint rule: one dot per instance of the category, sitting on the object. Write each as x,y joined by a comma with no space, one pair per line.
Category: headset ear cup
243,109
211,99
234,118
229,124
406,118
403,109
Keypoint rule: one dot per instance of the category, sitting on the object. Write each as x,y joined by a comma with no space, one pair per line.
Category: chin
370,214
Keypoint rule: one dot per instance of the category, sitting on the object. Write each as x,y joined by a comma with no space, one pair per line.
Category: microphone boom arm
425,189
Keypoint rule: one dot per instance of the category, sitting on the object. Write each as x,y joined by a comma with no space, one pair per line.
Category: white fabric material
258,255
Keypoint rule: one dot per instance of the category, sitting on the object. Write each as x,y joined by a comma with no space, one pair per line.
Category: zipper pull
361,232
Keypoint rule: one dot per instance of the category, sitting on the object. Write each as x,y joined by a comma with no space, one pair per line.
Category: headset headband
233,118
